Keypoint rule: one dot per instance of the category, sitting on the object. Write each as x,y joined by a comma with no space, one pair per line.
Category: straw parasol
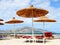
1,19
14,21
31,12
44,19
1,23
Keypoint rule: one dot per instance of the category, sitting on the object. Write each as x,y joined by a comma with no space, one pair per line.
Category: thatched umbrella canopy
1,23
14,21
1,20
31,12
44,19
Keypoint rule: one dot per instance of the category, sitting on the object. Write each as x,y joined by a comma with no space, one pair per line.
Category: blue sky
8,10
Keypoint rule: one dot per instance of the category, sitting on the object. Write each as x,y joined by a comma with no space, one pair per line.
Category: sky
8,9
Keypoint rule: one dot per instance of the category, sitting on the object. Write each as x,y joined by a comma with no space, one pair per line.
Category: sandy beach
22,42
29,22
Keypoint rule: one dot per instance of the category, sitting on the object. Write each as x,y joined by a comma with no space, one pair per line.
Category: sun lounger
39,37
27,37
49,35
2,37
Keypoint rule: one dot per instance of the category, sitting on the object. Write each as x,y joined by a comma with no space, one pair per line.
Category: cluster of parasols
31,12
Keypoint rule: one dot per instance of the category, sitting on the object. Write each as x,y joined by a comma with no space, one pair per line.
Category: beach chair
27,37
48,35
39,37
1,37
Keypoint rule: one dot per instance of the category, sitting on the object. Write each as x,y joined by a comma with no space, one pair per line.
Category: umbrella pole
43,32
14,31
32,26
32,29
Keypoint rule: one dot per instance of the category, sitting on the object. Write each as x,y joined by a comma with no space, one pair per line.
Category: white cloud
20,3
8,9
53,11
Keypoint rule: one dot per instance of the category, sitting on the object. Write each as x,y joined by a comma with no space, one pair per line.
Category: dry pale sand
21,42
